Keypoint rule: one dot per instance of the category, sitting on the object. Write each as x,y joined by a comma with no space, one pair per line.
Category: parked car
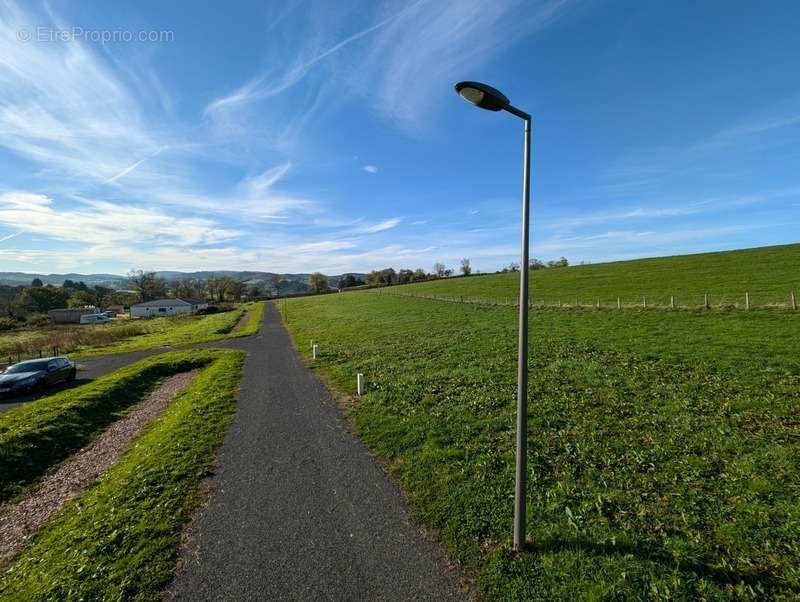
33,375
95,319
109,314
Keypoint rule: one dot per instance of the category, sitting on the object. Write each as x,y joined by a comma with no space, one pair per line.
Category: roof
169,303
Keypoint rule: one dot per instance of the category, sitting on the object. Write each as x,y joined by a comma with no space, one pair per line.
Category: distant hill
295,282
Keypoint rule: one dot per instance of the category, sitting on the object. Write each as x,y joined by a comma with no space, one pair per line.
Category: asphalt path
299,508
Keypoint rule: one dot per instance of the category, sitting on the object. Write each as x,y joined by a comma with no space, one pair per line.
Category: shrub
37,320
8,323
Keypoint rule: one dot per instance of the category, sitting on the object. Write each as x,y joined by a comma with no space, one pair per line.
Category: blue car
34,375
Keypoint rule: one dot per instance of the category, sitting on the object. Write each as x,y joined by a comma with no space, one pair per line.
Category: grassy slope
768,274
660,468
181,332
132,335
37,436
119,540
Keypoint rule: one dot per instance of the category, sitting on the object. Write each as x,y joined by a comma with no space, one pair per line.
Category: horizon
304,137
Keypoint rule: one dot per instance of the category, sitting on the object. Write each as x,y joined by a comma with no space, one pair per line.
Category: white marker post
315,351
360,384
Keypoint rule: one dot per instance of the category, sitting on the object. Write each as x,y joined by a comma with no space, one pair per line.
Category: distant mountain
295,282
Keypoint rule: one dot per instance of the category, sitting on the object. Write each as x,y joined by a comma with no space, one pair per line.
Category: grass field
664,447
769,274
130,335
119,540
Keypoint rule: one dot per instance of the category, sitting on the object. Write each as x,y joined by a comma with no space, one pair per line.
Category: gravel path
25,517
299,509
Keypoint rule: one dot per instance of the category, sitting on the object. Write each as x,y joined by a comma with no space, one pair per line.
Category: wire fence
744,301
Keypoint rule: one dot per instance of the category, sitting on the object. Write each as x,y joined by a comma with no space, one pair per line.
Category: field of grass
120,539
664,447
769,274
130,335
37,436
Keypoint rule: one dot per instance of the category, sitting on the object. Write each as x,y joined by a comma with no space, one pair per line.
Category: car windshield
27,367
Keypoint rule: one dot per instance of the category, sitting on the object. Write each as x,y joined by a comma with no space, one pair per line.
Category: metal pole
520,491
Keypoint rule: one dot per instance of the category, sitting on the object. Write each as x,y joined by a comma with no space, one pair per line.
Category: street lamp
486,97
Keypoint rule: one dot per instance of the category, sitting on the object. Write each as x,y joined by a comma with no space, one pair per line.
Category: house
70,315
116,308
166,307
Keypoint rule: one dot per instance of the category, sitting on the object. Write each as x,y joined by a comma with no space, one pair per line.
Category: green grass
120,539
253,324
664,447
37,436
180,331
769,274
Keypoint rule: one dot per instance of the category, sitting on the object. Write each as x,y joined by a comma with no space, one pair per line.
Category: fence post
747,300
315,351
644,301
619,304
360,384
598,303
705,300
794,301
672,301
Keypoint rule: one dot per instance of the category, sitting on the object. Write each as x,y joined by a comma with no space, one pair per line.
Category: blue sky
299,136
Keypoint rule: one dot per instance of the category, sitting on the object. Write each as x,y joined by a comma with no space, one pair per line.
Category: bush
8,323
206,311
37,320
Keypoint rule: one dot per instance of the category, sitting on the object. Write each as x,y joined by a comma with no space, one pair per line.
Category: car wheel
72,375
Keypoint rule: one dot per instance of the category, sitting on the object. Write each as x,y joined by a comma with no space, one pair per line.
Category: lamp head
482,96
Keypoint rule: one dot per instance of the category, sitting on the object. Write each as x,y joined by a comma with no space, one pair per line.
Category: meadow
664,447
769,274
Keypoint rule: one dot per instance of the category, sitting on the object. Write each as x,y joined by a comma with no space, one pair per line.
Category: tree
439,269
41,299
349,280
419,275
99,296
78,286
37,282
561,263
146,285
465,267
184,289
513,267
255,290
318,282
536,264
404,276
235,289
277,281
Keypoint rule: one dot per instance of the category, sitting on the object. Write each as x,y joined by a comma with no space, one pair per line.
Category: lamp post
486,97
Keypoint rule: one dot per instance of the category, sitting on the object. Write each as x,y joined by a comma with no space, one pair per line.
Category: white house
166,307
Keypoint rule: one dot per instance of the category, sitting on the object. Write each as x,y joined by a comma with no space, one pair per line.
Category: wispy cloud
386,224
370,168
420,47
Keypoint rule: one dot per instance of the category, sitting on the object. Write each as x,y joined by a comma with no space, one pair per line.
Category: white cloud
386,224
370,168
97,221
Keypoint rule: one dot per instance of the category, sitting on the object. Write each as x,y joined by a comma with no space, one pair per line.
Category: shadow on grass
653,553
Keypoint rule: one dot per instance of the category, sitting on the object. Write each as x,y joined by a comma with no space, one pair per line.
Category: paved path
299,509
